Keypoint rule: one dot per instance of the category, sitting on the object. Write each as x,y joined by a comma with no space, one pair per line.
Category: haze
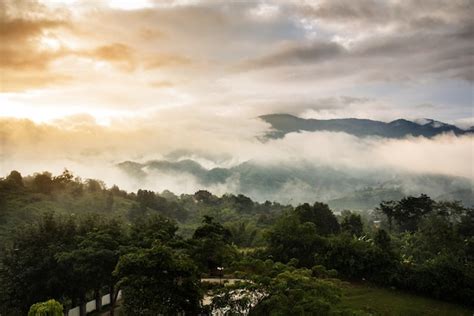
86,85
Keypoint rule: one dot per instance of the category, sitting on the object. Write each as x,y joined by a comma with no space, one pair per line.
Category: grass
381,301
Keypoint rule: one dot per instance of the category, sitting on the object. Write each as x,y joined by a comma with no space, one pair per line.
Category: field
380,301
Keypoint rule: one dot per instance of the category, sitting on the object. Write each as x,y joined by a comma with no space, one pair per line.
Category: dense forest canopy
71,240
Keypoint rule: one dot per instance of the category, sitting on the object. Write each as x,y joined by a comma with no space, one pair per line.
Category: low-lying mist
300,167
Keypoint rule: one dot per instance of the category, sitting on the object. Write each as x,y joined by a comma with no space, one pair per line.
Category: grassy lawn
379,301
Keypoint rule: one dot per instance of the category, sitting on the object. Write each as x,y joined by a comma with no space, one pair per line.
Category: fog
91,150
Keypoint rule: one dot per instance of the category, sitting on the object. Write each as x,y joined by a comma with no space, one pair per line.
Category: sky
144,77
119,58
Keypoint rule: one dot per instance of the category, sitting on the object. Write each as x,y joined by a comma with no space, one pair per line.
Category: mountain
296,182
283,124
464,195
365,199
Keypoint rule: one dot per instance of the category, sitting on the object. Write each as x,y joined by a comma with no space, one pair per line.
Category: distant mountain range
297,183
283,124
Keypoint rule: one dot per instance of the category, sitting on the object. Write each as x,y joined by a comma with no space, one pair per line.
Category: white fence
91,306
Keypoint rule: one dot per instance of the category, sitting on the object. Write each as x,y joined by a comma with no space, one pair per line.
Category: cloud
400,14
20,30
24,61
301,167
377,41
164,60
15,81
297,54
116,53
238,59
162,84
80,139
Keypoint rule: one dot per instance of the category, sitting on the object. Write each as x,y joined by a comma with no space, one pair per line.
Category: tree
407,212
466,224
319,214
93,185
352,224
243,233
148,229
288,292
243,203
158,281
203,196
109,201
357,259
63,179
289,238
388,209
15,179
43,183
29,270
297,293
211,246
382,240
48,308
95,258
410,210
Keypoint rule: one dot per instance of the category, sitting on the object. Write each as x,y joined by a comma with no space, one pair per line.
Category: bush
442,278
48,308
359,259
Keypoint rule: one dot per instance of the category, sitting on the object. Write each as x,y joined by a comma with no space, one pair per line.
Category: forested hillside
72,240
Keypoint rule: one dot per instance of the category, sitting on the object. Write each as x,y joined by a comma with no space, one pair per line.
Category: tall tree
211,246
95,257
289,238
321,215
410,210
352,223
388,209
29,270
158,281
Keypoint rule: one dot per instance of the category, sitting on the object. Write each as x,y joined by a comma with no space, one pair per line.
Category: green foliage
443,277
153,237
280,290
245,233
158,281
43,183
15,179
30,272
211,246
297,293
320,215
390,302
149,229
352,224
93,259
289,238
358,259
48,308
408,212
382,240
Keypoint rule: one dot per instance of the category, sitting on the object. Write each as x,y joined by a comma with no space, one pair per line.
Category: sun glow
129,5
50,43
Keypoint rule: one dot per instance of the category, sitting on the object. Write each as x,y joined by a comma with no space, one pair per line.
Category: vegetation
75,240
48,308
158,281
385,301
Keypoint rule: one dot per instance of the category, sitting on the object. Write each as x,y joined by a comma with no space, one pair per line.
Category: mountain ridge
283,124
303,182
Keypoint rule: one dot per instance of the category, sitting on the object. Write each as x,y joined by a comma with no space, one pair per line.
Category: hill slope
283,124
298,182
